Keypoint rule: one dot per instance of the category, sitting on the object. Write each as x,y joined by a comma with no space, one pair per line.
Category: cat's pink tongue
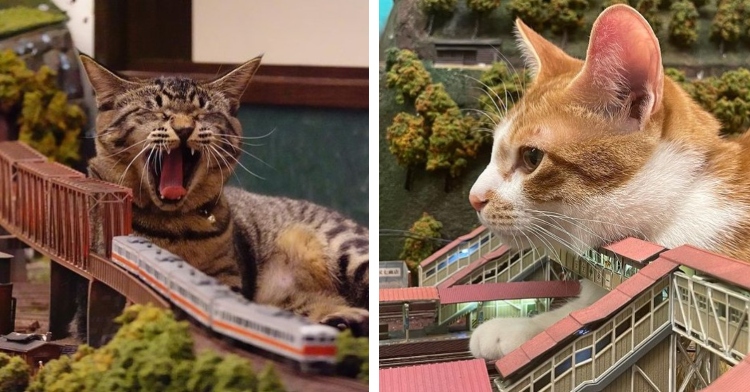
170,185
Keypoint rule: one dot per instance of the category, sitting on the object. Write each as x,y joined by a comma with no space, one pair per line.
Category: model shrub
46,120
352,355
420,243
150,352
407,75
480,9
683,28
14,374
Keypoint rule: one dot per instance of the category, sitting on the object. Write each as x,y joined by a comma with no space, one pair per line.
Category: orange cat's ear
623,73
107,85
542,57
234,83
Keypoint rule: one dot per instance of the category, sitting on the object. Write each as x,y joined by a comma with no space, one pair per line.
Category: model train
312,346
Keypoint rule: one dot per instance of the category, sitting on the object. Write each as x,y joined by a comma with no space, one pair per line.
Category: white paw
497,337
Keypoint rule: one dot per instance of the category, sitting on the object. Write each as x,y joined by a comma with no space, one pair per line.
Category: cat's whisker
250,137
221,171
246,152
238,162
556,225
125,172
572,219
545,242
482,112
126,149
568,244
148,162
495,100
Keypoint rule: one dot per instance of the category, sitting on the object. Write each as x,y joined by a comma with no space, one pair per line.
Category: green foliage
408,140
47,122
14,374
269,380
650,11
432,7
420,244
16,19
483,6
150,352
452,142
683,28
532,12
354,350
433,101
501,89
566,16
726,27
407,75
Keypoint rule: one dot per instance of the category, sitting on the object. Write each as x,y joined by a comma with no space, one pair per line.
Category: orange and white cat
603,149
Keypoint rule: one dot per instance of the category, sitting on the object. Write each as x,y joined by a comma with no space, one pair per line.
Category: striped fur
288,253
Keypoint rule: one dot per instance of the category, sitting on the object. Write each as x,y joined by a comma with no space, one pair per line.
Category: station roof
409,294
635,249
466,271
725,268
510,290
442,251
466,376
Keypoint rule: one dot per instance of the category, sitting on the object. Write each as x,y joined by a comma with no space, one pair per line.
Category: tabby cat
604,149
175,141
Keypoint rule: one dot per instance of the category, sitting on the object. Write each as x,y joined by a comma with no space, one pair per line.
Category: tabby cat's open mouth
173,172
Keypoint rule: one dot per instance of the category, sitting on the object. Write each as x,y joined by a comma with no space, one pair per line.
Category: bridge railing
712,315
450,259
593,354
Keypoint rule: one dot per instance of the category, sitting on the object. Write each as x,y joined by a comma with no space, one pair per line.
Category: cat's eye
531,158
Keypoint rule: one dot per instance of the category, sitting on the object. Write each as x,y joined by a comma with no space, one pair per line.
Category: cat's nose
477,202
182,125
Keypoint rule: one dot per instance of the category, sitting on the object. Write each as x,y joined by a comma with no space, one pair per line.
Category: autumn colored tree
408,140
566,17
436,7
531,12
451,144
432,102
481,8
683,28
407,75
420,243
726,27
650,11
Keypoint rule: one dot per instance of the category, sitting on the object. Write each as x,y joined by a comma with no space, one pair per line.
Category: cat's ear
234,83
623,74
107,85
543,59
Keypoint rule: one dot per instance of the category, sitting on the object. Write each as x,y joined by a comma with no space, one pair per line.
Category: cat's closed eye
531,158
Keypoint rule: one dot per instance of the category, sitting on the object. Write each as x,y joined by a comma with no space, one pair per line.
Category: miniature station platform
673,320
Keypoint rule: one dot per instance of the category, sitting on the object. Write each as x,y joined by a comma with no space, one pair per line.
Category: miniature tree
408,141
432,102
269,380
609,3
481,8
566,17
501,89
650,11
420,243
14,374
408,76
352,355
683,28
451,143
436,7
726,27
235,374
47,122
532,12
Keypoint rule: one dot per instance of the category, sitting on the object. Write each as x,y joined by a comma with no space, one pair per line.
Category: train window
563,366
583,355
603,343
543,381
620,329
309,338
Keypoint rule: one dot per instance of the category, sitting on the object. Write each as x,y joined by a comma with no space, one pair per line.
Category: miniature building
393,274
466,51
31,350
468,376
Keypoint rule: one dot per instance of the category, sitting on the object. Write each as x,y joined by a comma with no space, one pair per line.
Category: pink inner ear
624,50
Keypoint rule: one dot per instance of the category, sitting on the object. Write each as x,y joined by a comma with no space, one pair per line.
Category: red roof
466,271
409,294
730,270
635,249
735,379
452,245
464,376
511,290
601,309
18,152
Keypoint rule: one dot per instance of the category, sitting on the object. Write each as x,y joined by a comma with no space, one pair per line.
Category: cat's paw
356,319
497,337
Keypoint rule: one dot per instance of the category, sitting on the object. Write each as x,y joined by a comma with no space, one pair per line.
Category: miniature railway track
424,359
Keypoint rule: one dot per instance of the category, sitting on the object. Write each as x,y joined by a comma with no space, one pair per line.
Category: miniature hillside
460,23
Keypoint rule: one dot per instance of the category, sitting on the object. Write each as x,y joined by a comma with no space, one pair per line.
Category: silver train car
311,346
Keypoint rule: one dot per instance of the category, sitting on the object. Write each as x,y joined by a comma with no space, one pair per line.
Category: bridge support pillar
67,302
105,304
